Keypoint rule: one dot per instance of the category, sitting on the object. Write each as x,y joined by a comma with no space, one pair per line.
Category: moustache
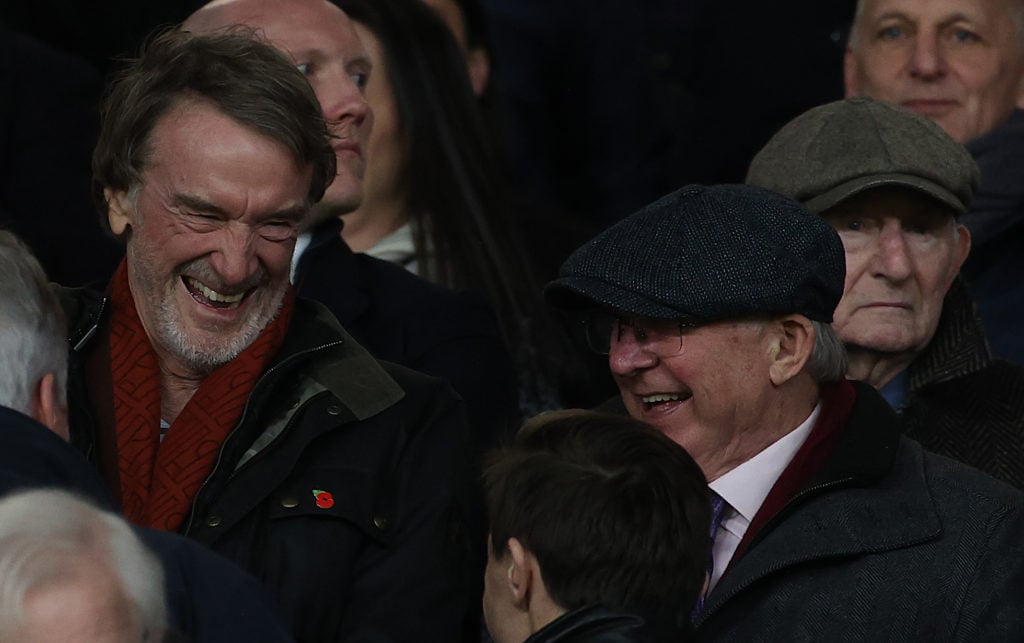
201,270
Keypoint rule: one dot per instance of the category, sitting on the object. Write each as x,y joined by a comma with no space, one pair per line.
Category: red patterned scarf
158,479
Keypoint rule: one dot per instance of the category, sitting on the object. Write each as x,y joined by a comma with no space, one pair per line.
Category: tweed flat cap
835,151
708,253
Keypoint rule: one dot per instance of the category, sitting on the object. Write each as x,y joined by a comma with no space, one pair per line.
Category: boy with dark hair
599,532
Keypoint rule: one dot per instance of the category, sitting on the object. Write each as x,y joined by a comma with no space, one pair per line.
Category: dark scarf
159,480
999,199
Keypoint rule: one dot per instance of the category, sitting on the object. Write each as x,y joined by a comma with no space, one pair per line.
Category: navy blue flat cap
709,253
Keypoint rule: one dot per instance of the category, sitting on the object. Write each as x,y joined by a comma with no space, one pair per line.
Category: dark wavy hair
615,512
455,178
248,80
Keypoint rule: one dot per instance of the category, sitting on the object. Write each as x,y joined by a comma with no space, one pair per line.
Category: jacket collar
867,448
33,456
863,501
958,347
328,254
317,356
344,367
599,624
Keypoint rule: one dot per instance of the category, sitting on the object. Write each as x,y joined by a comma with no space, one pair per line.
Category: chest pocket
324,534
345,495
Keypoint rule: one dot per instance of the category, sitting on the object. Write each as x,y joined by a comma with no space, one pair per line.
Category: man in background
396,316
714,306
961,64
895,187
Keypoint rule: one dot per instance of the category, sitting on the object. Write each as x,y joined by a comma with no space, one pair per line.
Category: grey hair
40,530
1015,7
33,337
827,362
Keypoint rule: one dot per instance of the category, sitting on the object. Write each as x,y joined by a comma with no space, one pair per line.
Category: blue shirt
895,392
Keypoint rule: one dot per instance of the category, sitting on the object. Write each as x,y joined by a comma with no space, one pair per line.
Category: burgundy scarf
837,403
159,480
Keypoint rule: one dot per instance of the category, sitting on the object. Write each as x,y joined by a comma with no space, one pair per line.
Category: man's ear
119,210
791,343
46,408
963,246
520,573
850,72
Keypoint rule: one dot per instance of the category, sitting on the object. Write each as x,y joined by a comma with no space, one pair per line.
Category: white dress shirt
745,488
397,247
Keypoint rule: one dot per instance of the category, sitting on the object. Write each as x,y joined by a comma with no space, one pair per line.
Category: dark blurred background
602,105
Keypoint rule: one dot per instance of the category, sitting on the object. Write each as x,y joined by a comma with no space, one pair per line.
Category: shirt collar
895,390
746,486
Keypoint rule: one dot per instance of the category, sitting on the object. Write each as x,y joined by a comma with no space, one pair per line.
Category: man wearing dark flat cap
894,184
713,305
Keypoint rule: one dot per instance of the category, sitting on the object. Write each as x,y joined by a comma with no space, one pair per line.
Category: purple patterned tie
717,507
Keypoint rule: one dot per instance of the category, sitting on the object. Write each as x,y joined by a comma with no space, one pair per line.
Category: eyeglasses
664,337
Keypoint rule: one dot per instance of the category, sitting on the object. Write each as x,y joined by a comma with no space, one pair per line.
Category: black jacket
209,599
407,320
961,402
597,624
388,559
888,542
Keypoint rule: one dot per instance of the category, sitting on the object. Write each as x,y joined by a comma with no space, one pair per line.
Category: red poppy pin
324,499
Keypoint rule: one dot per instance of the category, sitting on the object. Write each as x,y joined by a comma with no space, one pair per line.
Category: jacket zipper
94,324
241,421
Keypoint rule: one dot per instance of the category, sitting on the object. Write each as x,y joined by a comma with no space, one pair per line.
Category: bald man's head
320,38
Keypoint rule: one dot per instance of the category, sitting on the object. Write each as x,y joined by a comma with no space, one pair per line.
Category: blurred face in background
478,61
386,146
321,40
957,62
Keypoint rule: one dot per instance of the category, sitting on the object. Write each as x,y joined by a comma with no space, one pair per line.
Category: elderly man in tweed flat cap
713,305
960,63
894,184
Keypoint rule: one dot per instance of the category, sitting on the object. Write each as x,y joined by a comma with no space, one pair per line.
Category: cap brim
844,191
583,292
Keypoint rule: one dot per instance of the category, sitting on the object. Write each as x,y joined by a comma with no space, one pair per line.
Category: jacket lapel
846,523
851,508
